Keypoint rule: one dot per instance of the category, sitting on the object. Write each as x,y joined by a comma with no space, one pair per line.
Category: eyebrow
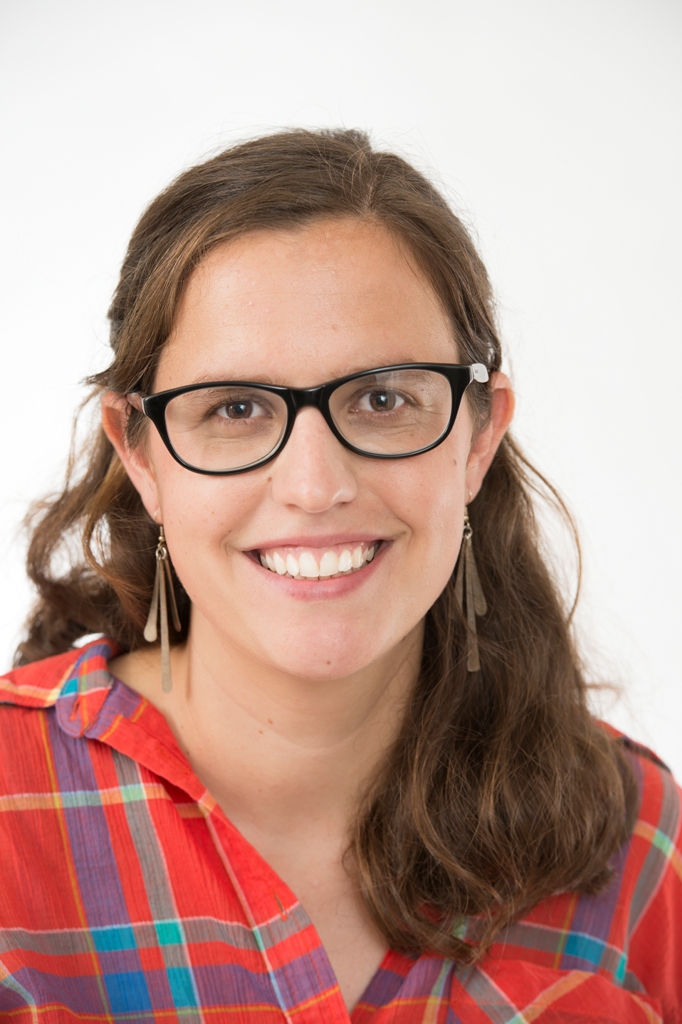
347,371
210,378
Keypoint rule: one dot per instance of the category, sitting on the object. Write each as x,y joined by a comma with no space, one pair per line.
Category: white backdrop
553,124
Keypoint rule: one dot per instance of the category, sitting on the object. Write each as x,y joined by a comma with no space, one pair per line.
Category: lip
320,589
325,540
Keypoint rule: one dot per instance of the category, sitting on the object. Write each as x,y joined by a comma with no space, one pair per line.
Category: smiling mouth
318,564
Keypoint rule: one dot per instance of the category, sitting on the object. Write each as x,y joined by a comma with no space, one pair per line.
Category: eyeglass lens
392,413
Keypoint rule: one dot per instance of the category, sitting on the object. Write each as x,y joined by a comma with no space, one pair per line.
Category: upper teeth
309,567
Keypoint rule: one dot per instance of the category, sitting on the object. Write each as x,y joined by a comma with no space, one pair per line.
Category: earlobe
115,412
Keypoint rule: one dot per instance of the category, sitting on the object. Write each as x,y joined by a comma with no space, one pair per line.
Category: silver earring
160,602
469,593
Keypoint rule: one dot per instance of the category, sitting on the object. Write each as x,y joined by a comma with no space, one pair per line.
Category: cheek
428,496
200,513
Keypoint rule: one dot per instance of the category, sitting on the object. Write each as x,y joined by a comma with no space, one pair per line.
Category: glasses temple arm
135,399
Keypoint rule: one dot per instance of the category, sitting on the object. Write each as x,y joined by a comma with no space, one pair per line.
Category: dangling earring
160,603
467,582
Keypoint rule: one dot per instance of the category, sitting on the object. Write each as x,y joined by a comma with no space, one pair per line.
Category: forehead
303,306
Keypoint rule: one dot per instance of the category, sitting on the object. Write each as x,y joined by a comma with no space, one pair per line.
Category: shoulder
28,696
659,815
654,861
660,797
651,882
632,747
74,685
630,932
652,865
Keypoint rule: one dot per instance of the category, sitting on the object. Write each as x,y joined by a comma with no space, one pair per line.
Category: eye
240,409
380,400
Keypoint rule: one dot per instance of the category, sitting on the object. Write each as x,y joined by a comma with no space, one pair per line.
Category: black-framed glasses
391,412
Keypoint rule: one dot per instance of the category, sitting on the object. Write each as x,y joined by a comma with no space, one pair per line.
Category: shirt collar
86,688
90,702
40,684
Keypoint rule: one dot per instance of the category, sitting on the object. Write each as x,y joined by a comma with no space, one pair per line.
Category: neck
276,750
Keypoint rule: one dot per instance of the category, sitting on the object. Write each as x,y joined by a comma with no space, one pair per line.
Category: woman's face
302,307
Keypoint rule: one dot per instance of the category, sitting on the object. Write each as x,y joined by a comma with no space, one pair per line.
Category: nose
313,471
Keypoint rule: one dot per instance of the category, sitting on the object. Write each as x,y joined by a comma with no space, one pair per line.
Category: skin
288,694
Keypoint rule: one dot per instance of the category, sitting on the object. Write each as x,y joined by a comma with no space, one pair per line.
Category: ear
488,440
115,413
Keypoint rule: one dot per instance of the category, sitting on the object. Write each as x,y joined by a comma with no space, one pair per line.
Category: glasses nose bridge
315,397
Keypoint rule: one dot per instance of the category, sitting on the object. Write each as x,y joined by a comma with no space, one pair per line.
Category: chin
317,661
323,667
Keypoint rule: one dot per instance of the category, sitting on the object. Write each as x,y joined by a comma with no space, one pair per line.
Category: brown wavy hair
501,789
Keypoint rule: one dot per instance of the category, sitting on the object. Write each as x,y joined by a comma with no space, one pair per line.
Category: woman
356,773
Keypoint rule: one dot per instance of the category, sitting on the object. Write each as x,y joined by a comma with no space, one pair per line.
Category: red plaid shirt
127,895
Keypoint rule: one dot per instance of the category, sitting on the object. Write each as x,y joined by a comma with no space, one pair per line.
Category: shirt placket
302,979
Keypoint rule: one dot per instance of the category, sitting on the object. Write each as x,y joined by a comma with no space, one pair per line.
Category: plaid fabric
127,895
